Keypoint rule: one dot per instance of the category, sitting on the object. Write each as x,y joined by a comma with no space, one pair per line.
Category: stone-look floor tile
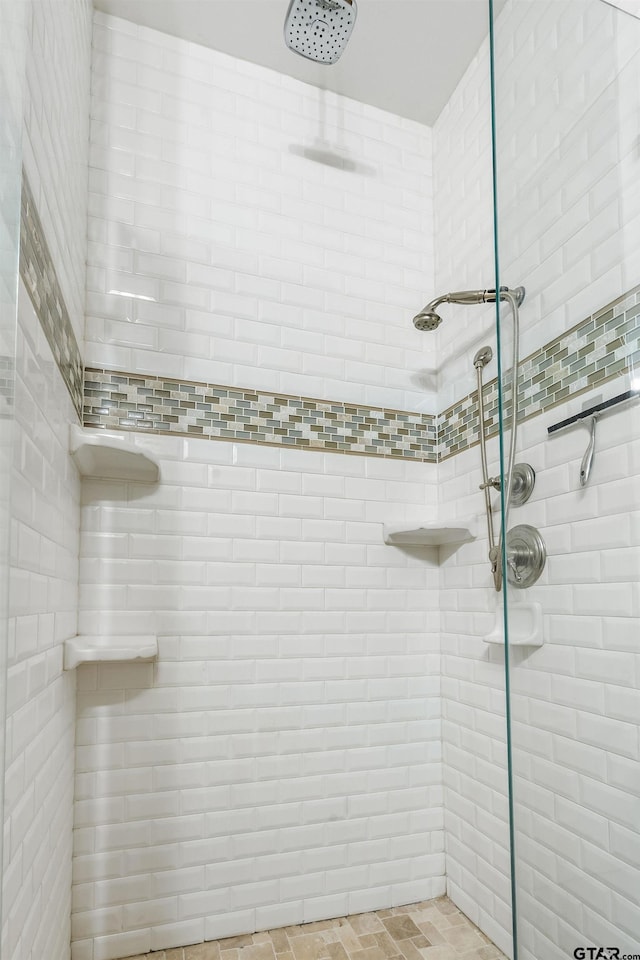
308,948
332,935
364,923
441,953
231,943
432,934
227,954
420,942
348,938
372,953
280,941
257,951
383,941
458,920
409,950
429,930
401,928
203,951
463,939
318,926
334,950
440,922
444,905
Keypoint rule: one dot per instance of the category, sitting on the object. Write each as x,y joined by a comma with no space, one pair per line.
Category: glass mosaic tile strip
152,404
604,346
39,277
7,386
596,350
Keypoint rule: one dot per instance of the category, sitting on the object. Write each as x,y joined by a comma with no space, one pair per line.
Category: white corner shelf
525,626
86,649
108,455
432,534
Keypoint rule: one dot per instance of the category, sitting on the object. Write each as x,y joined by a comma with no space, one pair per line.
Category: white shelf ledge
104,649
433,534
108,455
525,626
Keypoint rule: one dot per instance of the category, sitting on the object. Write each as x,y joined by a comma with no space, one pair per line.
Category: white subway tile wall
568,228
252,230
45,504
567,177
55,145
281,761
39,778
574,702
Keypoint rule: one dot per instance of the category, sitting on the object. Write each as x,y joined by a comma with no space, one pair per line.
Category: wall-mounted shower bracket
494,482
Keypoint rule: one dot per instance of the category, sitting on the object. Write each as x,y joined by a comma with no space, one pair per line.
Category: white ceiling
405,56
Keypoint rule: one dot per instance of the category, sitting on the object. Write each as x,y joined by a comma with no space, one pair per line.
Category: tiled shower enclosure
219,263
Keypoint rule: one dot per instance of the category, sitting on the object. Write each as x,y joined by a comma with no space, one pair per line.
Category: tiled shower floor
433,930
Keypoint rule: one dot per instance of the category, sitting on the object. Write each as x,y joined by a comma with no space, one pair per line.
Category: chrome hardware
522,484
430,319
593,411
495,482
513,567
587,460
319,29
483,357
526,555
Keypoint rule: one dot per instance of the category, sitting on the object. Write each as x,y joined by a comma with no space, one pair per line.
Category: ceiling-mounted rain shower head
319,29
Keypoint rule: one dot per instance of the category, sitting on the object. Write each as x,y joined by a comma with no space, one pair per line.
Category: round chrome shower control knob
526,555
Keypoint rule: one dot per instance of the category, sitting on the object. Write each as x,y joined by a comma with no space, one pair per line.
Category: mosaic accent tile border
604,346
39,277
151,404
596,350
7,386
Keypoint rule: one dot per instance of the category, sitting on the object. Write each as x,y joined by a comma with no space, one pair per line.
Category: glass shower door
566,112
11,78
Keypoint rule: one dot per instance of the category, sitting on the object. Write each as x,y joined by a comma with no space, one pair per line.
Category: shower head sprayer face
427,321
319,29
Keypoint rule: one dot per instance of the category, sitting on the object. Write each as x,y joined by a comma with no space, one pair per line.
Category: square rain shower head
319,29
